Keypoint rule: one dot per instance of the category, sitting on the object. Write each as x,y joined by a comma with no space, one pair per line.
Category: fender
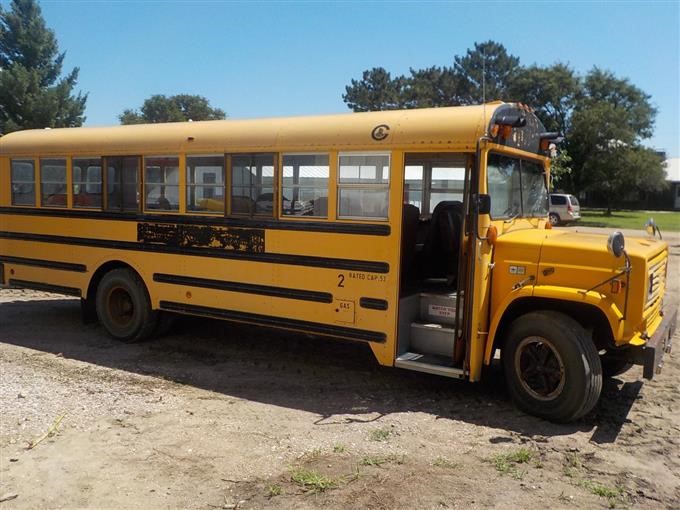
605,305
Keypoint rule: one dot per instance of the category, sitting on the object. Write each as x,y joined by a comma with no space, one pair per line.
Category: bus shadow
339,381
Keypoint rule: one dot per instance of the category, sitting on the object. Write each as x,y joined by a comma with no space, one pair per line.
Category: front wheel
123,306
552,368
554,219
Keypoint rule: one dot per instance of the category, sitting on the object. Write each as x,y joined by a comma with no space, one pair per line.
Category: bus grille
656,280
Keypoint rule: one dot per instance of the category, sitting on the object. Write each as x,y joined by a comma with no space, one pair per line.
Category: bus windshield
517,188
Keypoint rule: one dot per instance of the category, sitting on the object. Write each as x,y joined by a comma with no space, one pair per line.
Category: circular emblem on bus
380,132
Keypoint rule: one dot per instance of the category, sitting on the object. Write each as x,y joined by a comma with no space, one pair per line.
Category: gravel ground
217,415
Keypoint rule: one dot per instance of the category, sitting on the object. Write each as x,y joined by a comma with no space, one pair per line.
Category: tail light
570,209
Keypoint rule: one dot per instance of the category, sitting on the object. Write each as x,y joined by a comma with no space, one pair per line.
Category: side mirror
483,204
616,244
651,228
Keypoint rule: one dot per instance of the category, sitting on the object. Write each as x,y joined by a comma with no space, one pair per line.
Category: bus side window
252,184
87,182
205,183
53,182
161,183
305,185
23,182
363,185
122,183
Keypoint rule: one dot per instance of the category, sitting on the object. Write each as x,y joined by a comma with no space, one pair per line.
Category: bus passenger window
87,182
363,185
305,185
23,182
413,185
161,183
252,184
122,183
53,182
205,183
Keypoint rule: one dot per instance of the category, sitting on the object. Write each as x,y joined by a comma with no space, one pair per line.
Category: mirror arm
626,270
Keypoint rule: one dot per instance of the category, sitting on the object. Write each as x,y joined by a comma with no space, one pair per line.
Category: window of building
53,182
87,182
161,183
363,185
252,184
122,183
205,183
23,182
305,185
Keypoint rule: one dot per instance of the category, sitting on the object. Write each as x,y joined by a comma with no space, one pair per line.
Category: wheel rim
120,306
539,367
553,219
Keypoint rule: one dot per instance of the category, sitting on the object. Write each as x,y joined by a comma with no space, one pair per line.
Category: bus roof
456,128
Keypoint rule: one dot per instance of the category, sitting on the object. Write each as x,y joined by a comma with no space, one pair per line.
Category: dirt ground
218,415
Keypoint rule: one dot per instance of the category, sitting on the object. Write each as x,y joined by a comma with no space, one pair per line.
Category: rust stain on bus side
248,240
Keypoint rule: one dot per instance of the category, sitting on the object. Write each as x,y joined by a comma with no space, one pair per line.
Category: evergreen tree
178,108
485,72
377,90
32,94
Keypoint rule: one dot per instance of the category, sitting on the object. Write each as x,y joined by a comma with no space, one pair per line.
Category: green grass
312,481
373,461
507,463
274,490
635,220
614,495
444,463
379,434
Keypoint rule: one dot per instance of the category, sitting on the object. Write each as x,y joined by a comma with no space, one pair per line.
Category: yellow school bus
421,232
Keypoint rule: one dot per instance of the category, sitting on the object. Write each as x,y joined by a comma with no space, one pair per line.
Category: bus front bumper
658,345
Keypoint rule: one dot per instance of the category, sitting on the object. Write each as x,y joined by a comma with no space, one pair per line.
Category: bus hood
590,250
570,258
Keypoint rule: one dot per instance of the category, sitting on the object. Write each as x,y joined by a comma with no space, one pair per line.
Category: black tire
123,306
554,219
166,322
612,366
552,368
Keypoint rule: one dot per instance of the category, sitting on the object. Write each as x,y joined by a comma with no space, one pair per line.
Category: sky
294,58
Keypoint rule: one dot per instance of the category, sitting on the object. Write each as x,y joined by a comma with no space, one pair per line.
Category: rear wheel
552,368
123,306
554,219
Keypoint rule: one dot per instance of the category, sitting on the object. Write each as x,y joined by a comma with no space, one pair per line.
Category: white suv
563,209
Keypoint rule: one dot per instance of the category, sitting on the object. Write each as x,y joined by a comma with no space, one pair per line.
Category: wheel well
99,274
589,316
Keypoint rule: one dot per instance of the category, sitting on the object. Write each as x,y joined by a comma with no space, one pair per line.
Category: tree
32,95
488,66
611,119
552,92
377,90
178,108
485,72
434,86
